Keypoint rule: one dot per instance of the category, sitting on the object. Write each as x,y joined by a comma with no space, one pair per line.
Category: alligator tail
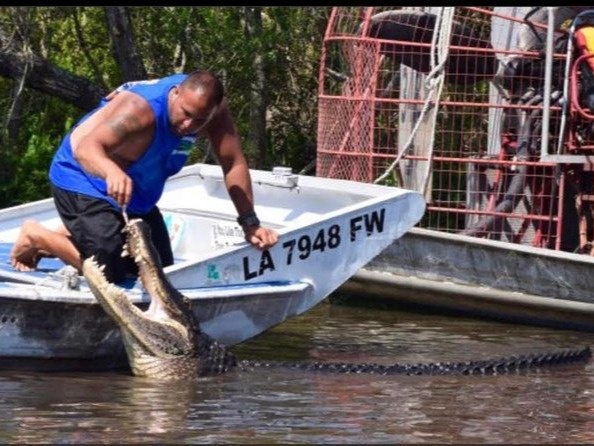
496,366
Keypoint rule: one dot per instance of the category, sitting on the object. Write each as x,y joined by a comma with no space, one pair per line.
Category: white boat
328,230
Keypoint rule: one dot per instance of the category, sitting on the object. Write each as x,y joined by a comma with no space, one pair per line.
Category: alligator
166,341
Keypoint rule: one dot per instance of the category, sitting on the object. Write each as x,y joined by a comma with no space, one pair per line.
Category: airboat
489,113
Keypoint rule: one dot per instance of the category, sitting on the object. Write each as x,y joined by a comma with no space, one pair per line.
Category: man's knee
107,250
116,266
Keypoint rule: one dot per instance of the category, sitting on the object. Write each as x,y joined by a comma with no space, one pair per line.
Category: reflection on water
282,406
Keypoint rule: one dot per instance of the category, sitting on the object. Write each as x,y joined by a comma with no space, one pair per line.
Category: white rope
440,43
436,77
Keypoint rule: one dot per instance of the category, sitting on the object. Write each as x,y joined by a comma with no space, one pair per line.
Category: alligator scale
166,341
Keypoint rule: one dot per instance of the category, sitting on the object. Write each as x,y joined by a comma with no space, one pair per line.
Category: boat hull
79,334
482,278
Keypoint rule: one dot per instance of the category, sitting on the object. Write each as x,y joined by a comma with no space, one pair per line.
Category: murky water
289,406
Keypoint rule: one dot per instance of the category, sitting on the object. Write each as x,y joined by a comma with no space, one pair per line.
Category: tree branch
46,78
122,37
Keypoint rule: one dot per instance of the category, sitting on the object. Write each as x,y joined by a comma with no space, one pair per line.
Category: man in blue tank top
120,155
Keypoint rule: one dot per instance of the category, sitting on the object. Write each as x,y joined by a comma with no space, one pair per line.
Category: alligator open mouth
166,341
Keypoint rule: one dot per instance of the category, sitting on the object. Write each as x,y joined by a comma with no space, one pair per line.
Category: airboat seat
471,57
583,35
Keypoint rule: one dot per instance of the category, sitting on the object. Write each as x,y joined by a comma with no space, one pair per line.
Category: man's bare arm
227,146
116,135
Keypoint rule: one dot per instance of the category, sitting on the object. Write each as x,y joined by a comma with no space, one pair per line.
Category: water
291,406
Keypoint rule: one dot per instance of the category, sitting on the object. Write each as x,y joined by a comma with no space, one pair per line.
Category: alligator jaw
165,341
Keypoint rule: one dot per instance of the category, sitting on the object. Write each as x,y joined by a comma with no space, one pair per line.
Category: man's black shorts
96,229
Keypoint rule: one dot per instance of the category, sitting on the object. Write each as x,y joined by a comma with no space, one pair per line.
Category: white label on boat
226,234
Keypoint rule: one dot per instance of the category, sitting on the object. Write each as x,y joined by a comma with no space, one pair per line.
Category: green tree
56,62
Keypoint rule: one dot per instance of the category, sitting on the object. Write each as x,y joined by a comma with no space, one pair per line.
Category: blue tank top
166,155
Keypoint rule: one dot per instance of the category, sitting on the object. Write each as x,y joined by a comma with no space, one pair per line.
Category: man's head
194,102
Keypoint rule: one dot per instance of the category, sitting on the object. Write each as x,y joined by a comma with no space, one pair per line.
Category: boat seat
47,268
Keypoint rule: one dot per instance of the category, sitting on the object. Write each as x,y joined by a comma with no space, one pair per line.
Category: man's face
189,110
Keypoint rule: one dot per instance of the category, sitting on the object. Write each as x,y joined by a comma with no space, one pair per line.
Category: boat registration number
314,243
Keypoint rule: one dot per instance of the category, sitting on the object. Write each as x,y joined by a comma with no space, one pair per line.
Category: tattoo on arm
125,125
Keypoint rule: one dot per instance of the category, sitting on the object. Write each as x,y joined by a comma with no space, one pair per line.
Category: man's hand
119,186
260,237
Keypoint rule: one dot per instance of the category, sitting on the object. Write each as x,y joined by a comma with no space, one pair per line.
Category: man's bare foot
24,256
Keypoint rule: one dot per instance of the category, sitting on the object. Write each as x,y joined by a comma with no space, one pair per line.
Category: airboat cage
489,111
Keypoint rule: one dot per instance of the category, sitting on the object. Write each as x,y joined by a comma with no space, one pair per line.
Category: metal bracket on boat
65,278
283,177
70,278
